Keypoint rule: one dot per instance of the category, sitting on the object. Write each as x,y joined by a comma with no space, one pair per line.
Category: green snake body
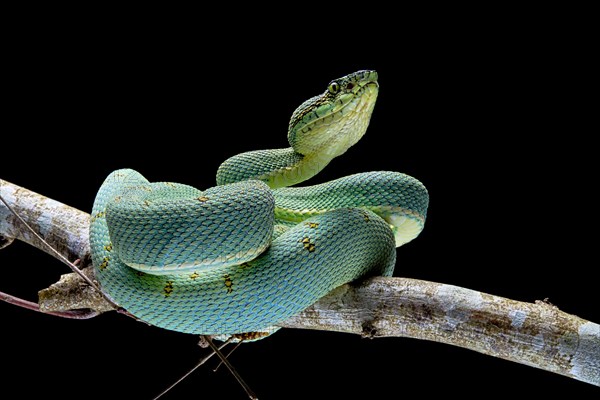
250,252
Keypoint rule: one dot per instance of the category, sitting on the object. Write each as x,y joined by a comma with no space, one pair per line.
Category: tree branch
538,335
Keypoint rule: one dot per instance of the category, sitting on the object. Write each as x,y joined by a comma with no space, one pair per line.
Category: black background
493,120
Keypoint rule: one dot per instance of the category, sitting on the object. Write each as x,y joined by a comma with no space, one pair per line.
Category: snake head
329,124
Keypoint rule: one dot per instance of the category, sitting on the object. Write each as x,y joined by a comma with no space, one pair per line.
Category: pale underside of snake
251,252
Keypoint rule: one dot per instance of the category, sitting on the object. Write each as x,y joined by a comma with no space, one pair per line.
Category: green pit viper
251,252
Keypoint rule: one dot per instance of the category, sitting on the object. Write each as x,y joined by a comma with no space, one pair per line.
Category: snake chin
328,125
405,228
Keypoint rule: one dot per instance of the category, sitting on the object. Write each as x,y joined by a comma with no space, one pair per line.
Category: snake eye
333,87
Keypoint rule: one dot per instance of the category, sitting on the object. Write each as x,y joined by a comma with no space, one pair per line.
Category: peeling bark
538,335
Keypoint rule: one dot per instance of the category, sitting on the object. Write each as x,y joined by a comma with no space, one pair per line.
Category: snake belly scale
251,252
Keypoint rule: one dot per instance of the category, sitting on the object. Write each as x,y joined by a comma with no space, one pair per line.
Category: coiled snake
251,252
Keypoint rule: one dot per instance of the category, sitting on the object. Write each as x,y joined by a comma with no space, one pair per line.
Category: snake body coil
251,252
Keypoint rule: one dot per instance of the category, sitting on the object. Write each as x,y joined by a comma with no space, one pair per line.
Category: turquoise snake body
251,252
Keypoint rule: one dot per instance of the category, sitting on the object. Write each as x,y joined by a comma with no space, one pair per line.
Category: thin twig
57,254
72,314
200,363
231,369
228,354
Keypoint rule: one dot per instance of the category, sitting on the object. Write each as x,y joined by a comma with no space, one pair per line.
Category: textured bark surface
538,335
64,227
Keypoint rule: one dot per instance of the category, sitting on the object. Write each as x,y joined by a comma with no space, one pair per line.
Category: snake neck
277,168
321,128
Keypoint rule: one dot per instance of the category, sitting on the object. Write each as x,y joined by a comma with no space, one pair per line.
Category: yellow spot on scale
313,225
366,216
104,263
101,214
228,283
108,247
203,198
168,289
194,275
308,244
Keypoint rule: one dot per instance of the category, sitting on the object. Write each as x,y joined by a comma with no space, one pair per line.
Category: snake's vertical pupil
334,87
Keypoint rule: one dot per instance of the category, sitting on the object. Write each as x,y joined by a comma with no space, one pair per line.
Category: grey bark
539,334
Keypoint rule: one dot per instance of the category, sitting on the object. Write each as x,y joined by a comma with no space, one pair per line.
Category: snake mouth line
358,96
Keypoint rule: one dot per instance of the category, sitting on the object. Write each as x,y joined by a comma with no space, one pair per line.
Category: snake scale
251,251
